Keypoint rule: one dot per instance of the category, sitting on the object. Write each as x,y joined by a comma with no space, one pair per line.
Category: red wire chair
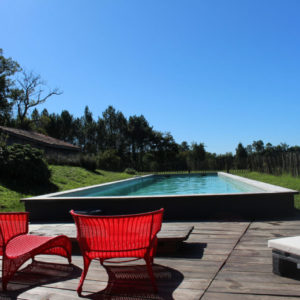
106,237
17,246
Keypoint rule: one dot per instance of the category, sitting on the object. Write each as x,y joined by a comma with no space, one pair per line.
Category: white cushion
288,244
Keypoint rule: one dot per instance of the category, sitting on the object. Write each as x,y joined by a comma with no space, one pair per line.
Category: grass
285,180
63,178
9,199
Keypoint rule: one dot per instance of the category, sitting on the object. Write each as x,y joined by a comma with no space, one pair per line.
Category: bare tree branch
30,93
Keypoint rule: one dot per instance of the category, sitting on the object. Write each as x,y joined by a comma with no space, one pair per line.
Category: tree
241,156
269,147
184,146
30,93
35,120
89,129
116,130
164,150
67,130
140,134
8,67
196,156
228,161
258,146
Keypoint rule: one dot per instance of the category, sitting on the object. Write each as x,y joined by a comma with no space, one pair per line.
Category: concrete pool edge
269,188
275,201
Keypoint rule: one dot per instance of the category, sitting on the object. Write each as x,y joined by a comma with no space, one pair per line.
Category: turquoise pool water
168,185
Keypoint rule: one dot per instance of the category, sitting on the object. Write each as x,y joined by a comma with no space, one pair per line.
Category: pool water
169,185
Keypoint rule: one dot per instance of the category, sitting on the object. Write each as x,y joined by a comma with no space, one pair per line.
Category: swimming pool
184,197
184,184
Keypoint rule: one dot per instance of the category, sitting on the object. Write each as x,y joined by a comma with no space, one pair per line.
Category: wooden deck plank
236,296
197,271
250,259
244,287
247,273
259,277
255,253
219,260
253,268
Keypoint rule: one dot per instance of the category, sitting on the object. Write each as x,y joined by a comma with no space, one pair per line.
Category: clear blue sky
212,71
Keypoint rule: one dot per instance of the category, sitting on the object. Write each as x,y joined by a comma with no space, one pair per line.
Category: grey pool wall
273,201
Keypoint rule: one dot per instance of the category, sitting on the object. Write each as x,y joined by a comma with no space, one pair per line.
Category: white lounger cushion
288,244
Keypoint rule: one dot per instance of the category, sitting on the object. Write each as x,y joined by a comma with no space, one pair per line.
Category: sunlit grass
285,180
66,178
9,199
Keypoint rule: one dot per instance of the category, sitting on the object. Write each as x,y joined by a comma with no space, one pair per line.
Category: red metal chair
107,237
17,246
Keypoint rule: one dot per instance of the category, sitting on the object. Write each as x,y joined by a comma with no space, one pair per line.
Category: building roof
39,138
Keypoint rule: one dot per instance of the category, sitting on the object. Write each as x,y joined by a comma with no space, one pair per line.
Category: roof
39,138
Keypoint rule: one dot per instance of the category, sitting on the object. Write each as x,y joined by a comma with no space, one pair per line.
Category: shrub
88,162
154,166
130,171
109,160
24,164
64,160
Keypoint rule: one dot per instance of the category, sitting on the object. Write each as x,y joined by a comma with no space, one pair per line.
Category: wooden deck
220,260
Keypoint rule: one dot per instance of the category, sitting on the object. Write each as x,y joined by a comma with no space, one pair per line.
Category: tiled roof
39,138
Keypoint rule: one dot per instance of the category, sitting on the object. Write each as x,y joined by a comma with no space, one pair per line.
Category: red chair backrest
117,233
12,224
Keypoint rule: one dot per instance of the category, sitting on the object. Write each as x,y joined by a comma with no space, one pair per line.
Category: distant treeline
117,143
114,142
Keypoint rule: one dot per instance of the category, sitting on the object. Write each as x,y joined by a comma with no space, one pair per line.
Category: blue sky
212,71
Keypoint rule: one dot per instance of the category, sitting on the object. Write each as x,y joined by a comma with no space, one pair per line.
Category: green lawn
63,178
285,180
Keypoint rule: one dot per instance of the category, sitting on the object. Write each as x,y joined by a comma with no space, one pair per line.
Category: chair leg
9,268
149,262
4,278
69,258
86,264
69,250
4,283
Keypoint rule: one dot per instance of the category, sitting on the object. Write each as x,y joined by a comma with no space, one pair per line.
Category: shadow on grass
97,172
133,282
38,274
29,189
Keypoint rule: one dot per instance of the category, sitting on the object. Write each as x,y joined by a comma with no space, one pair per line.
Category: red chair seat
25,243
17,246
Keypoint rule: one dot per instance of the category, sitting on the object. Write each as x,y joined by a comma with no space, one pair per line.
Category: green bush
109,160
24,164
86,161
89,162
64,160
130,171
